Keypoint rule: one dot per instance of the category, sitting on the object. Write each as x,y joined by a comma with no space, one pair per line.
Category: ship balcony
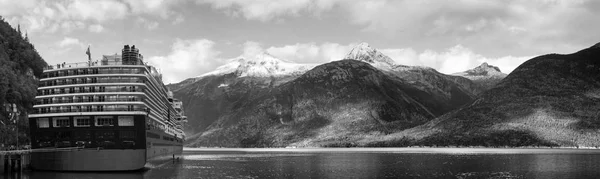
61,101
89,110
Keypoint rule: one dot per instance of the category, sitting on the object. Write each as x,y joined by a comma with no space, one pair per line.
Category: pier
14,161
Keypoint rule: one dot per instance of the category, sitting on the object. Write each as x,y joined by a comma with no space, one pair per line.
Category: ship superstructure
111,114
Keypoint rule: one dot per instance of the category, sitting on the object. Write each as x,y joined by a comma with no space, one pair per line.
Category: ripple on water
196,167
487,175
239,157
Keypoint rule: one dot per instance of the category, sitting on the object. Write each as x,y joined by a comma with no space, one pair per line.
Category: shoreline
432,150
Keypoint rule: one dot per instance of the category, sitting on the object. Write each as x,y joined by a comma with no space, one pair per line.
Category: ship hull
152,147
105,160
89,160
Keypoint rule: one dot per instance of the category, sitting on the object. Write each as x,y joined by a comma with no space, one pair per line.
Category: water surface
365,163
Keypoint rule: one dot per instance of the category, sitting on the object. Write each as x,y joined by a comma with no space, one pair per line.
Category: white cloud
483,25
68,41
310,52
265,10
457,59
179,19
70,15
188,58
96,28
156,7
251,48
148,24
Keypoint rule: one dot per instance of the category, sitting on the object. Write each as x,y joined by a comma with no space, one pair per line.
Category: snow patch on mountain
482,71
260,65
365,53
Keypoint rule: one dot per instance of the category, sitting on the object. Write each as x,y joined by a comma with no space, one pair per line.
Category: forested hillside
20,66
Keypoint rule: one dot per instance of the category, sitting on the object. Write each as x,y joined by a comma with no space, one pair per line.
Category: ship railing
114,70
88,64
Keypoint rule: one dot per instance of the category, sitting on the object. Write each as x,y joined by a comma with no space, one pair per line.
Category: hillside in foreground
20,66
550,100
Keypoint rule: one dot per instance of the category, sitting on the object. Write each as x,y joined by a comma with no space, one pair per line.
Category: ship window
125,120
104,121
61,121
43,123
82,121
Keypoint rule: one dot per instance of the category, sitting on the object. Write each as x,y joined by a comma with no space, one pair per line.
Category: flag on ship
89,54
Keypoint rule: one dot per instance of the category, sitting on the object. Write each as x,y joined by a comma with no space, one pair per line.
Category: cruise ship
112,114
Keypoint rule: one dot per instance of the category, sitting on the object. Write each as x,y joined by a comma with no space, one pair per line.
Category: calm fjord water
366,163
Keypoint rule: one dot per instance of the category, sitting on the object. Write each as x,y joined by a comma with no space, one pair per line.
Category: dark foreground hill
550,100
20,66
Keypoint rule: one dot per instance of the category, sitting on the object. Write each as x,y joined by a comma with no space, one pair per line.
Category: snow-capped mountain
260,65
484,75
365,53
482,71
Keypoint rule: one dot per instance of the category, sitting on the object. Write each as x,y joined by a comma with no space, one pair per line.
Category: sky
187,38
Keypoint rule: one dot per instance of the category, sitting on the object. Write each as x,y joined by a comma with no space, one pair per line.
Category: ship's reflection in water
364,163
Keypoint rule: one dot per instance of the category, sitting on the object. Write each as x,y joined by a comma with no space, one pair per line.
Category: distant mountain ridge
484,75
235,95
482,71
332,104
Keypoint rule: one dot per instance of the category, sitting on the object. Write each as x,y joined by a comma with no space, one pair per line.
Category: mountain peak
260,64
260,57
365,53
486,67
483,70
363,45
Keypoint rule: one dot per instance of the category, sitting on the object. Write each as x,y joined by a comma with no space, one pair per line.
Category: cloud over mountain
187,58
